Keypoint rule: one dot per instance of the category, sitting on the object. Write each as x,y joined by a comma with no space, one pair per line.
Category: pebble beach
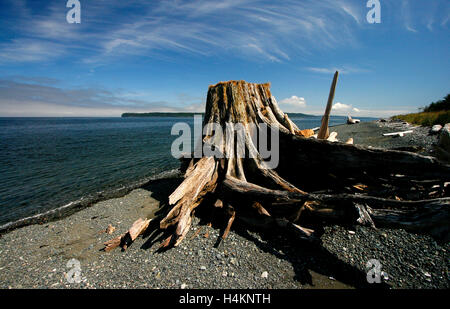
42,255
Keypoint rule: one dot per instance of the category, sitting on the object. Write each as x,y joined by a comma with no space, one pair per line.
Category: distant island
160,114
175,114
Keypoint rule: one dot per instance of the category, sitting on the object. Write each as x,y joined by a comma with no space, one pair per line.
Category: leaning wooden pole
324,132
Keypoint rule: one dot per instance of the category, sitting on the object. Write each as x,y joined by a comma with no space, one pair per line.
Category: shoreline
423,145
72,207
36,255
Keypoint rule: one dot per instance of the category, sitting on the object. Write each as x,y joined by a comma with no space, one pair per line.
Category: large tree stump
315,180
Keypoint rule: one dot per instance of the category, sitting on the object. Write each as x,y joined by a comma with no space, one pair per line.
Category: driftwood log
316,181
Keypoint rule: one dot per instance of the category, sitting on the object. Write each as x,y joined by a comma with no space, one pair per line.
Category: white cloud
341,108
294,101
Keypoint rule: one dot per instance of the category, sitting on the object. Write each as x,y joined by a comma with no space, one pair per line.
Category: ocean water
48,163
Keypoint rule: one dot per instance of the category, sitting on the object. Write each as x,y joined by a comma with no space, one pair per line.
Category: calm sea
47,163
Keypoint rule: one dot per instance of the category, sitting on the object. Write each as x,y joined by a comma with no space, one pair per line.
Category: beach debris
218,203
289,124
206,235
324,131
197,232
332,137
350,120
349,141
265,274
435,129
232,215
264,198
401,134
409,148
124,240
364,217
305,133
444,138
110,229
360,187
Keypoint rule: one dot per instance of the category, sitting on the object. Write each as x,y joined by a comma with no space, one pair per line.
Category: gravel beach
41,255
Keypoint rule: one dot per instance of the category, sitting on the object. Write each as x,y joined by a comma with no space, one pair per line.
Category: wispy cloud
260,30
29,50
416,16
255,29
342,70
445,20
350,10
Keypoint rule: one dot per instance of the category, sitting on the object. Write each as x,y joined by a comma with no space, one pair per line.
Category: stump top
237,82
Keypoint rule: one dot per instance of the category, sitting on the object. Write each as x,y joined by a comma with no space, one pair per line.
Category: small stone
331,278
110,229
264,274
183,286
351,232
203,267
427,274
435,129
224,274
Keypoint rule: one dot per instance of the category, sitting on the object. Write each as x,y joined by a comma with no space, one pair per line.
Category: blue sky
137,56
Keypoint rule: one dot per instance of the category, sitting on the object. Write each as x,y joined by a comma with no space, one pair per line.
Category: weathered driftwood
124,240
332,137
402,133
316,180
350,120
323,131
